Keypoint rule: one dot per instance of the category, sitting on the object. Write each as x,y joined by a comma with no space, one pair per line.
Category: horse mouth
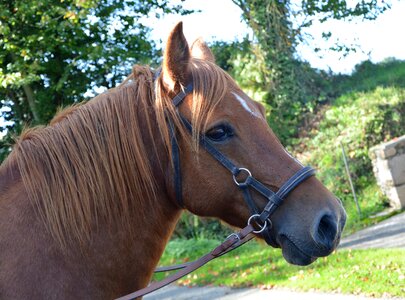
293,254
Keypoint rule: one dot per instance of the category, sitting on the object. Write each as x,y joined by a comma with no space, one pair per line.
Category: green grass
374,272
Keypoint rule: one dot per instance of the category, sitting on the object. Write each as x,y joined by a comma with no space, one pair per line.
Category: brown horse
88,203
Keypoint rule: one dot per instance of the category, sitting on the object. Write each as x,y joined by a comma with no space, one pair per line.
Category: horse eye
219,133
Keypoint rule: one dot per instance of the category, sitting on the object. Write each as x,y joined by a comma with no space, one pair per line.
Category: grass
374,272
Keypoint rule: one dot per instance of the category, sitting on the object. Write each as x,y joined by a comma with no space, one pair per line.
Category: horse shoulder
32,264
28,268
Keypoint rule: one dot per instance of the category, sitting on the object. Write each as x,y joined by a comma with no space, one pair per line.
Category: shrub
358,120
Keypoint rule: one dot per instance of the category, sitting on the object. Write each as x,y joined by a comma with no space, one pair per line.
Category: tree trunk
31,102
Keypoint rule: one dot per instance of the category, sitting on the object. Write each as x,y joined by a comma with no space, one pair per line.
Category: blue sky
221,20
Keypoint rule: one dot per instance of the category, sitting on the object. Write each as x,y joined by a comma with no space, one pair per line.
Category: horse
88,203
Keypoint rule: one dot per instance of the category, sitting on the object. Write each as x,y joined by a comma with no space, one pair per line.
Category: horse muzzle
302,248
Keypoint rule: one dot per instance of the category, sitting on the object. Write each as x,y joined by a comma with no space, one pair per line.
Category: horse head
309,221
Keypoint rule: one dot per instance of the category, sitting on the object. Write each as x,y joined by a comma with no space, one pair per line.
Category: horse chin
269,239
293,254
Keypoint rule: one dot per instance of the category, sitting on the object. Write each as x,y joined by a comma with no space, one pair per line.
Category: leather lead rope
232,242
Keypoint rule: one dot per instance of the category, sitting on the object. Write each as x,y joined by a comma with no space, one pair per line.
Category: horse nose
324,233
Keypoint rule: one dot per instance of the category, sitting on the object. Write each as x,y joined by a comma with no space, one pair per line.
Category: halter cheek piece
233,241
274,199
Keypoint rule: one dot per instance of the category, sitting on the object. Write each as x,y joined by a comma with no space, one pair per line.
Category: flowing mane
94,161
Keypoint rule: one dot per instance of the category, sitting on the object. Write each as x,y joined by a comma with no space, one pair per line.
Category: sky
221,20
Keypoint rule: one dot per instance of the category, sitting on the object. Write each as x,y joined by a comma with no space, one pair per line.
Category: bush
193,227
358,120
367,76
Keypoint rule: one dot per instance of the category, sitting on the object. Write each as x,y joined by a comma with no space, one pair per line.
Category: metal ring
270,224
262,228
244,182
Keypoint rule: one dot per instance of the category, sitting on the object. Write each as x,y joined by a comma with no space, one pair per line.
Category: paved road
386,234
225,293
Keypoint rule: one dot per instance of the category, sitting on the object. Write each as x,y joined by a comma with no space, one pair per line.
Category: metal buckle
243,182
233,234
262,228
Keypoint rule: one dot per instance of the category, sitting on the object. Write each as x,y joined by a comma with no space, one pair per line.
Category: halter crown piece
261,219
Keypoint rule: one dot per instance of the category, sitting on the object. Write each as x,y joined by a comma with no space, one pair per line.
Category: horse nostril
325,234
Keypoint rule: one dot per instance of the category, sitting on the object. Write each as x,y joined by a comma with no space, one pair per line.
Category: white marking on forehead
252,110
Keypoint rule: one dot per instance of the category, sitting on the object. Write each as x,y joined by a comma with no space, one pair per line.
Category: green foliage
246,65
277,34
367,76
341,9
187,248
312,89
271,23
374,272
358,120
243,62
52,52
193,227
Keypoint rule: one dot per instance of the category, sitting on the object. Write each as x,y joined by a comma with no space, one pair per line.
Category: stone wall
389,168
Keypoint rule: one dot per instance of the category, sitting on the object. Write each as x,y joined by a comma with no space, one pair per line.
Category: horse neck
118,263
127,254
133,256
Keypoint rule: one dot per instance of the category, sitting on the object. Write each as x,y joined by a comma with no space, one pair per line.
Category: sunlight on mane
92,163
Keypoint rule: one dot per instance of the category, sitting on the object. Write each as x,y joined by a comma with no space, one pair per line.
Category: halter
233,241
249,182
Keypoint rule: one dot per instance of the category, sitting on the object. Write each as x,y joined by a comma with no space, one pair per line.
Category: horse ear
199,49
176,58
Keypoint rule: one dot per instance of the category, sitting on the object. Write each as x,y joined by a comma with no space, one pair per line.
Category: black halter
274,198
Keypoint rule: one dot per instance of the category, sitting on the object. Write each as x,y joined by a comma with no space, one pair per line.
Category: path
173,292
389,233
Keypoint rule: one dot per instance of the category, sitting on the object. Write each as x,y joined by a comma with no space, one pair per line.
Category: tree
240,60
275,25
53,51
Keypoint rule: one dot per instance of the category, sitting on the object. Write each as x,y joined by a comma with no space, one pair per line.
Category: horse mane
93,162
